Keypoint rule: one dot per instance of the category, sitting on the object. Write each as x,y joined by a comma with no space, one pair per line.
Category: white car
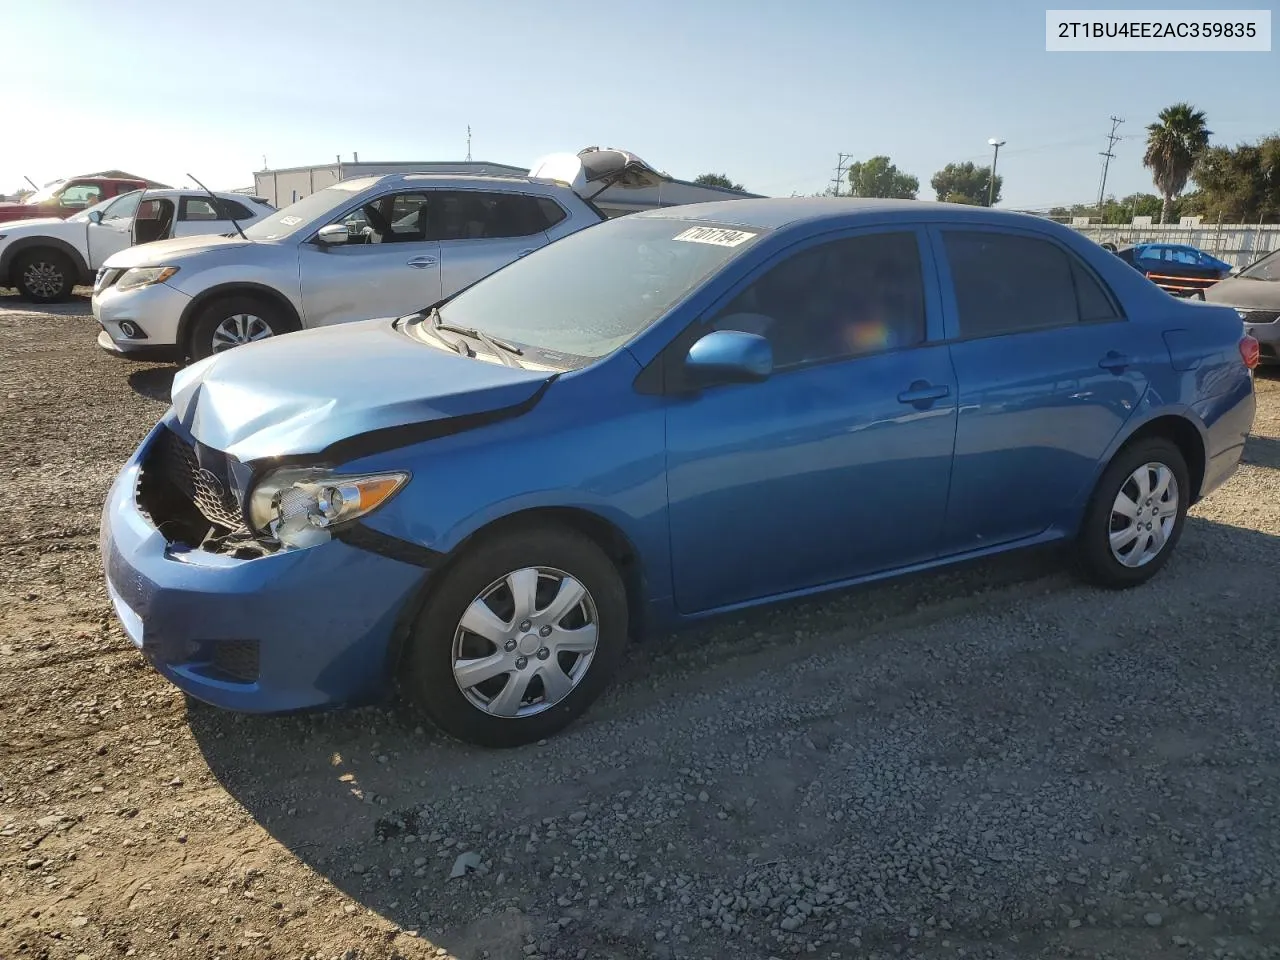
369,247
45,258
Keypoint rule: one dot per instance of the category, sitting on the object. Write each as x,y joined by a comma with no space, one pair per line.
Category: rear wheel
232,322
45,276
522,634
1136,515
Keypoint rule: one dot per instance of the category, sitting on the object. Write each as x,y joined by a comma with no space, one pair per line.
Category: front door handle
421,262
922,393
1115,362
525,253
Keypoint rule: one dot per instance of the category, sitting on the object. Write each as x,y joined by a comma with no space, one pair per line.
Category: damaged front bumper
291,630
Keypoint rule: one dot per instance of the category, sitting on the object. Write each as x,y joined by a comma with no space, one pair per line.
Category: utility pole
1107,156
468,143
842,167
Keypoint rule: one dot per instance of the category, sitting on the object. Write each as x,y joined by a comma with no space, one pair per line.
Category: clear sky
768,93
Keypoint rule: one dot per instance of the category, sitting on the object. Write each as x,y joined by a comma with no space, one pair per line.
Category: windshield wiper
504,351
458,346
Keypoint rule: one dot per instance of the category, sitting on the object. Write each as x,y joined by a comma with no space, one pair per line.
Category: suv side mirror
95,216
729,356
334,233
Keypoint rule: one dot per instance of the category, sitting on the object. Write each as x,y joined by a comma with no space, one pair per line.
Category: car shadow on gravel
1263,452
153,383
352,793
78,305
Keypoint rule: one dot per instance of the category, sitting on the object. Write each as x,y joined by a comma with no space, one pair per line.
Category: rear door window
479,215
1007,283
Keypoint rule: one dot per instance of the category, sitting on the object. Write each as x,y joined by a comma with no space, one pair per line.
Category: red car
65,197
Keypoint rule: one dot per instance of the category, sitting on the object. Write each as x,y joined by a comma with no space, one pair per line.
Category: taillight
1249,351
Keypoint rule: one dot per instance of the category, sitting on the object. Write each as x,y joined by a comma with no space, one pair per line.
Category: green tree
878,177
717,180
1173,145
1240,185
965,183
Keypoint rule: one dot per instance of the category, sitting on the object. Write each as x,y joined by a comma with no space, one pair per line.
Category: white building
283,187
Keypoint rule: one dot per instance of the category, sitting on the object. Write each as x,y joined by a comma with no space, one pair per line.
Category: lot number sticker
290,220
714,235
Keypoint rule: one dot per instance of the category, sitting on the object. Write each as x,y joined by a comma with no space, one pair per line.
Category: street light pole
991,184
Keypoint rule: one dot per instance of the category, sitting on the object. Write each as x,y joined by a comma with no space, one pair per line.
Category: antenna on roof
468,143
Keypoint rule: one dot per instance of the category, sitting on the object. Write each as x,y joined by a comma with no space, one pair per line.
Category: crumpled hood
297,394
162,253
1243,292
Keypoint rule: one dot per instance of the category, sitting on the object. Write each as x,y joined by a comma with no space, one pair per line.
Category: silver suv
371,247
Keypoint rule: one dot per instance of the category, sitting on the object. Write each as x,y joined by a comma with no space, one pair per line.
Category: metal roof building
282,187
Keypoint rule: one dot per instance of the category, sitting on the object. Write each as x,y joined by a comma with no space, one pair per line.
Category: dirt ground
994,761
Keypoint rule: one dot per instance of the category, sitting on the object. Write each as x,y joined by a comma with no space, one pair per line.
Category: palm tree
1173,145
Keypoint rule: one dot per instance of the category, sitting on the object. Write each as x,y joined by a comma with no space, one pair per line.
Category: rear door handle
1115,362
421,262
525,253
923,393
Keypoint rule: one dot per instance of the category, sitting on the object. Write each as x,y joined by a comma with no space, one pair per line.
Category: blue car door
838,464
1049,370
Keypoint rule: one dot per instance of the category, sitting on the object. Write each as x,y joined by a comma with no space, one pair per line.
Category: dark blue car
668,416
1177,268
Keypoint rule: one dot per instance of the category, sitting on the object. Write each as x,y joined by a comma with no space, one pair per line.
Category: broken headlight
298,507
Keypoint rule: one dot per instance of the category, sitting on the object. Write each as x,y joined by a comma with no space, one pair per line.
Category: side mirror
95,216
729,356
334,233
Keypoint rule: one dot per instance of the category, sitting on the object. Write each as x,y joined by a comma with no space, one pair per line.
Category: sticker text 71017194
719,236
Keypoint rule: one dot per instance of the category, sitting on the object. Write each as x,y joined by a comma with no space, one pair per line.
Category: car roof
771,213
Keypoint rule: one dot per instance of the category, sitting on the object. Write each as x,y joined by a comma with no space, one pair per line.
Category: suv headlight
299,506
136,277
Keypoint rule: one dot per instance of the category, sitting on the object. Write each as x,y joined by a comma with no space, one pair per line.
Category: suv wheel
232,322
45,276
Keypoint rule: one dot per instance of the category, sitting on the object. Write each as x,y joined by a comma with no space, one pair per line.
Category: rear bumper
1228,420
300,629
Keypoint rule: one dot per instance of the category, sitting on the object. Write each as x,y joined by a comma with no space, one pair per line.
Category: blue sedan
672,415
1177,268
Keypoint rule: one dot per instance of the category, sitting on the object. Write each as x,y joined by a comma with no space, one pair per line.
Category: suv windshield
594,290
298,214
1268,268
44,194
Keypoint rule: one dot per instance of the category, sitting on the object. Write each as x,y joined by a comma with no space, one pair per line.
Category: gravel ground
990,762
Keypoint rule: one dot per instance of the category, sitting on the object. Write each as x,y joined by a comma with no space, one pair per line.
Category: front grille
106,277
1260,316
172,482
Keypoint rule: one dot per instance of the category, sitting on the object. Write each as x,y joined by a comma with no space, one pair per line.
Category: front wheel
44,276
522,634
233,322
1136,515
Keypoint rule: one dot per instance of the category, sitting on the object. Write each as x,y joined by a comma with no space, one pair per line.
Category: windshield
596,289
297,215
44,194
1268,268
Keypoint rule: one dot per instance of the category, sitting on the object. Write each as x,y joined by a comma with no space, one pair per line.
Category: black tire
1096,561
44,275
200,341
427,677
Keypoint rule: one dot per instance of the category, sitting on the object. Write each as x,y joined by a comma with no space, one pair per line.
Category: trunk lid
590,172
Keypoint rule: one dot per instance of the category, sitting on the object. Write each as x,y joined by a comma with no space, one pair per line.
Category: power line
1109,156
842,165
